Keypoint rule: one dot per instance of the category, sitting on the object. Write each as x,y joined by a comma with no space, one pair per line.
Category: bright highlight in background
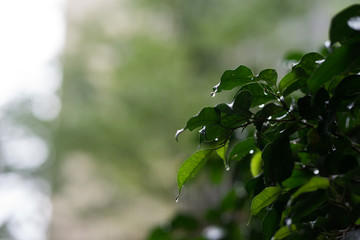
32,37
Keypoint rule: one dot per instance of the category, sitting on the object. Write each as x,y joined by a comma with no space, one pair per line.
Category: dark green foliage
306,126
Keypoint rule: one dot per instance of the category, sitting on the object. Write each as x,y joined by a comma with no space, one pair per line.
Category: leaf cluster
294,141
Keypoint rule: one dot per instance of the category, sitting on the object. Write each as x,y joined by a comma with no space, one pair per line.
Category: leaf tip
178,133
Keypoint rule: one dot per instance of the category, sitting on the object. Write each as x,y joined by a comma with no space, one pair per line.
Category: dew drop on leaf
227,167
212,94
251,151
354,23
288,221
316,171
333,148
177,199
347,122
350,106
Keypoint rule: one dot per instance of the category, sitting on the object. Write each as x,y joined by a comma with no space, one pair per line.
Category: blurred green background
133,72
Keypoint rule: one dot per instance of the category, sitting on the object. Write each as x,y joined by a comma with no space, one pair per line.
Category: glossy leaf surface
265,198
234,78
312,185
191,167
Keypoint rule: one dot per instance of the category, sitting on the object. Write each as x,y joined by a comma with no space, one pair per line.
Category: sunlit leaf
191,166
312,185
256,164
222,154
298,177
284,232
263,199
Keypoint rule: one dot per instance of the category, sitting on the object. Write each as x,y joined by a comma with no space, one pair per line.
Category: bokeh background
92,93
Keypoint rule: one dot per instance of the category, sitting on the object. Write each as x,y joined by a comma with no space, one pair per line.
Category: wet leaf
305,108
284,232
256,164
255,185
278,161
312,185
298,177
269,110
340,29
259,96
348,87
222,154
269,76
242,101
265,198
308,205
296,79
242,148
272,219
191,166
341,61
207,116
234,78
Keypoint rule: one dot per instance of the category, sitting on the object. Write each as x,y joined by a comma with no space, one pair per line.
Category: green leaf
272,219
234,78
214,134
312,185
308,63
305,108
256,164
265,198
207,116
284,232
255,185
269,76
270,110
340,27
348,87
341,61
242,101
308,205
278,161
298,177
259,96
222,154
296,79
191,166
242,148
270,223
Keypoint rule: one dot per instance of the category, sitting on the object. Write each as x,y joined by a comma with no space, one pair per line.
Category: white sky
31,38
32,35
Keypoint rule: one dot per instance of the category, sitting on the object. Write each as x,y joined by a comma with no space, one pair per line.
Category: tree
293,143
